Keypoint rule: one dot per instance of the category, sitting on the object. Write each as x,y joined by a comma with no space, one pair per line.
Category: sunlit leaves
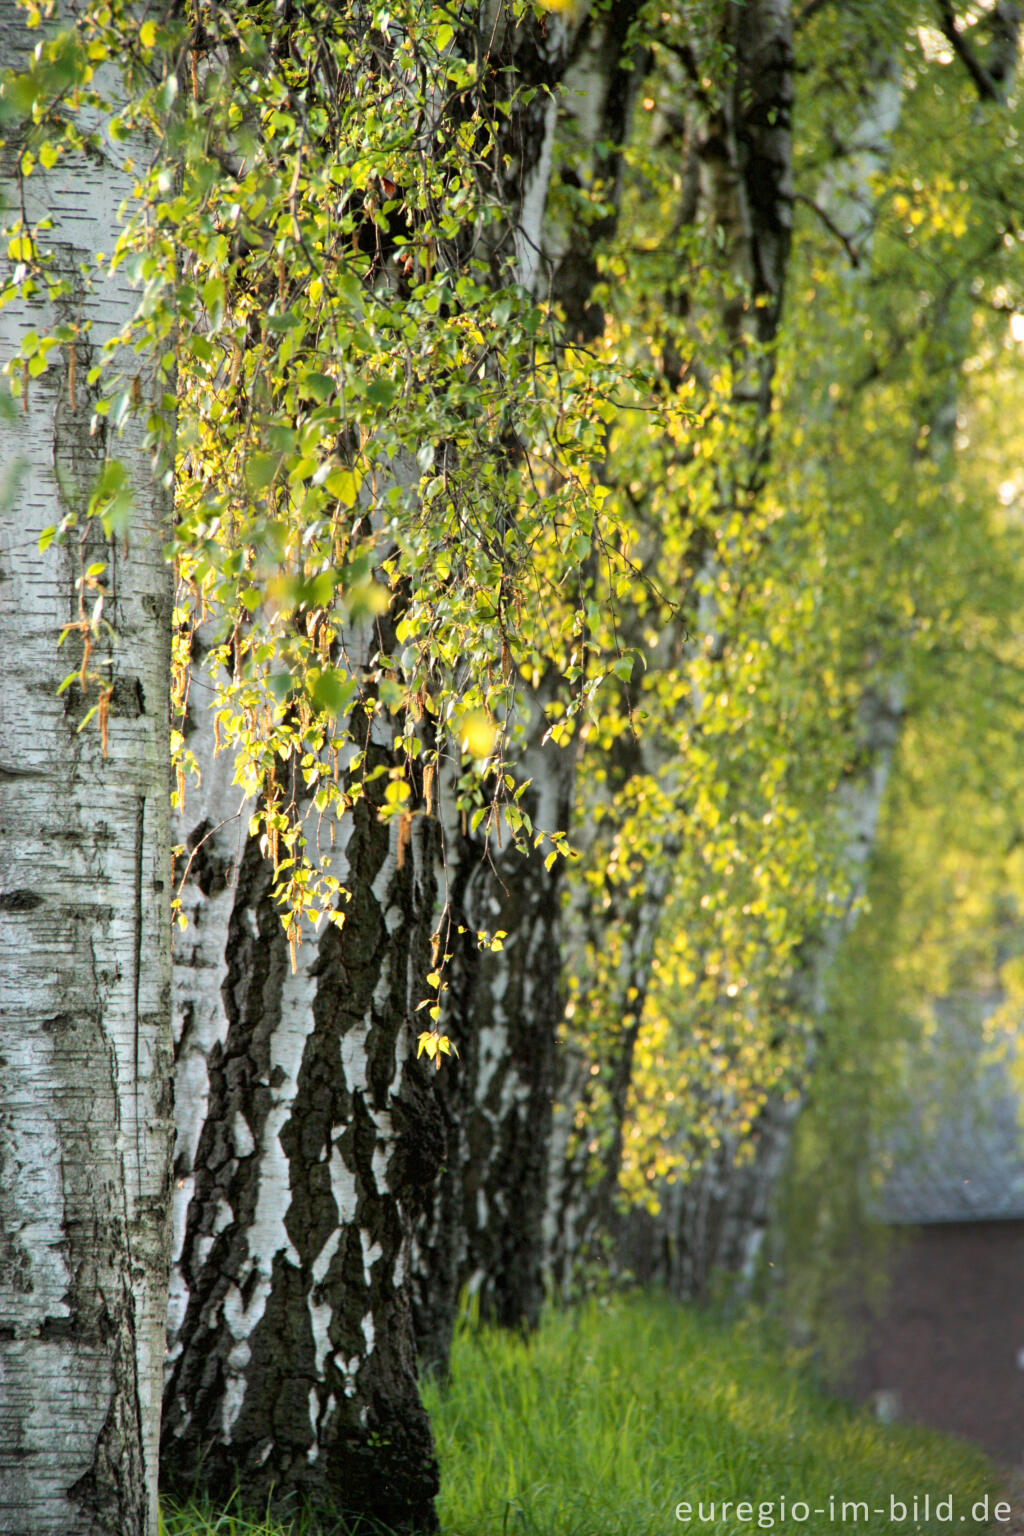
435,1045
383,455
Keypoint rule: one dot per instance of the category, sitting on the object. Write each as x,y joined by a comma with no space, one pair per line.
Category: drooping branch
991,76
832,227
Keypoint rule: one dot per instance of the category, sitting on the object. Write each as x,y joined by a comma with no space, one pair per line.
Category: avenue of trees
495,498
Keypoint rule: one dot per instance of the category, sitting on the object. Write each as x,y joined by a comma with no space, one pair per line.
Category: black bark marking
497,1156
20,901
239,1072
210,870
370,1451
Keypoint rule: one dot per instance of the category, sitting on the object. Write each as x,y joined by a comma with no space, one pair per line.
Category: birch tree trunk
85,1046
306,1131
736,152
712,1227
309,1135
483,1227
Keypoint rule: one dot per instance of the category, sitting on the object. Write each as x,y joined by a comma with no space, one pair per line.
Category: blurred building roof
959,1153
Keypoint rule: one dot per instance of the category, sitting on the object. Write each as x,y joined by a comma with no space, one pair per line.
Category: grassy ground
619,1416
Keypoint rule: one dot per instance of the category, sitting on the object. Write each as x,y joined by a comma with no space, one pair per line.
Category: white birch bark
308,1135
84,925
305,1129
483,1229
740,136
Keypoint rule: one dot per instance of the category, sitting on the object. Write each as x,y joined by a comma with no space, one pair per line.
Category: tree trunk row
333,1195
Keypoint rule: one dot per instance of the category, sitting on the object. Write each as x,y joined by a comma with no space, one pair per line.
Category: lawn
635,1416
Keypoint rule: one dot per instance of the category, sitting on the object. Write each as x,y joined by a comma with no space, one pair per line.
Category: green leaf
382,392
22,92
282,322
260,469
344,485
317,386
332,691
118,515
111,483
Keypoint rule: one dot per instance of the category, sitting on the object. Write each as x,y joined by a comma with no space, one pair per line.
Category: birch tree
482,1228
84,892
708,281
917,941
716,1215
721,1212
374,487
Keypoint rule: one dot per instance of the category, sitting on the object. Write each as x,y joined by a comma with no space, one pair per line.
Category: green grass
617,1413
202,1520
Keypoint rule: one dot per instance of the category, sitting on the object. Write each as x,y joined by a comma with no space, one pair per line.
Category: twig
831,226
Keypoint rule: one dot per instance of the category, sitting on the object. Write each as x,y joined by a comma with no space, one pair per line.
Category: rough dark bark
483,1226
290,1367
484,1229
